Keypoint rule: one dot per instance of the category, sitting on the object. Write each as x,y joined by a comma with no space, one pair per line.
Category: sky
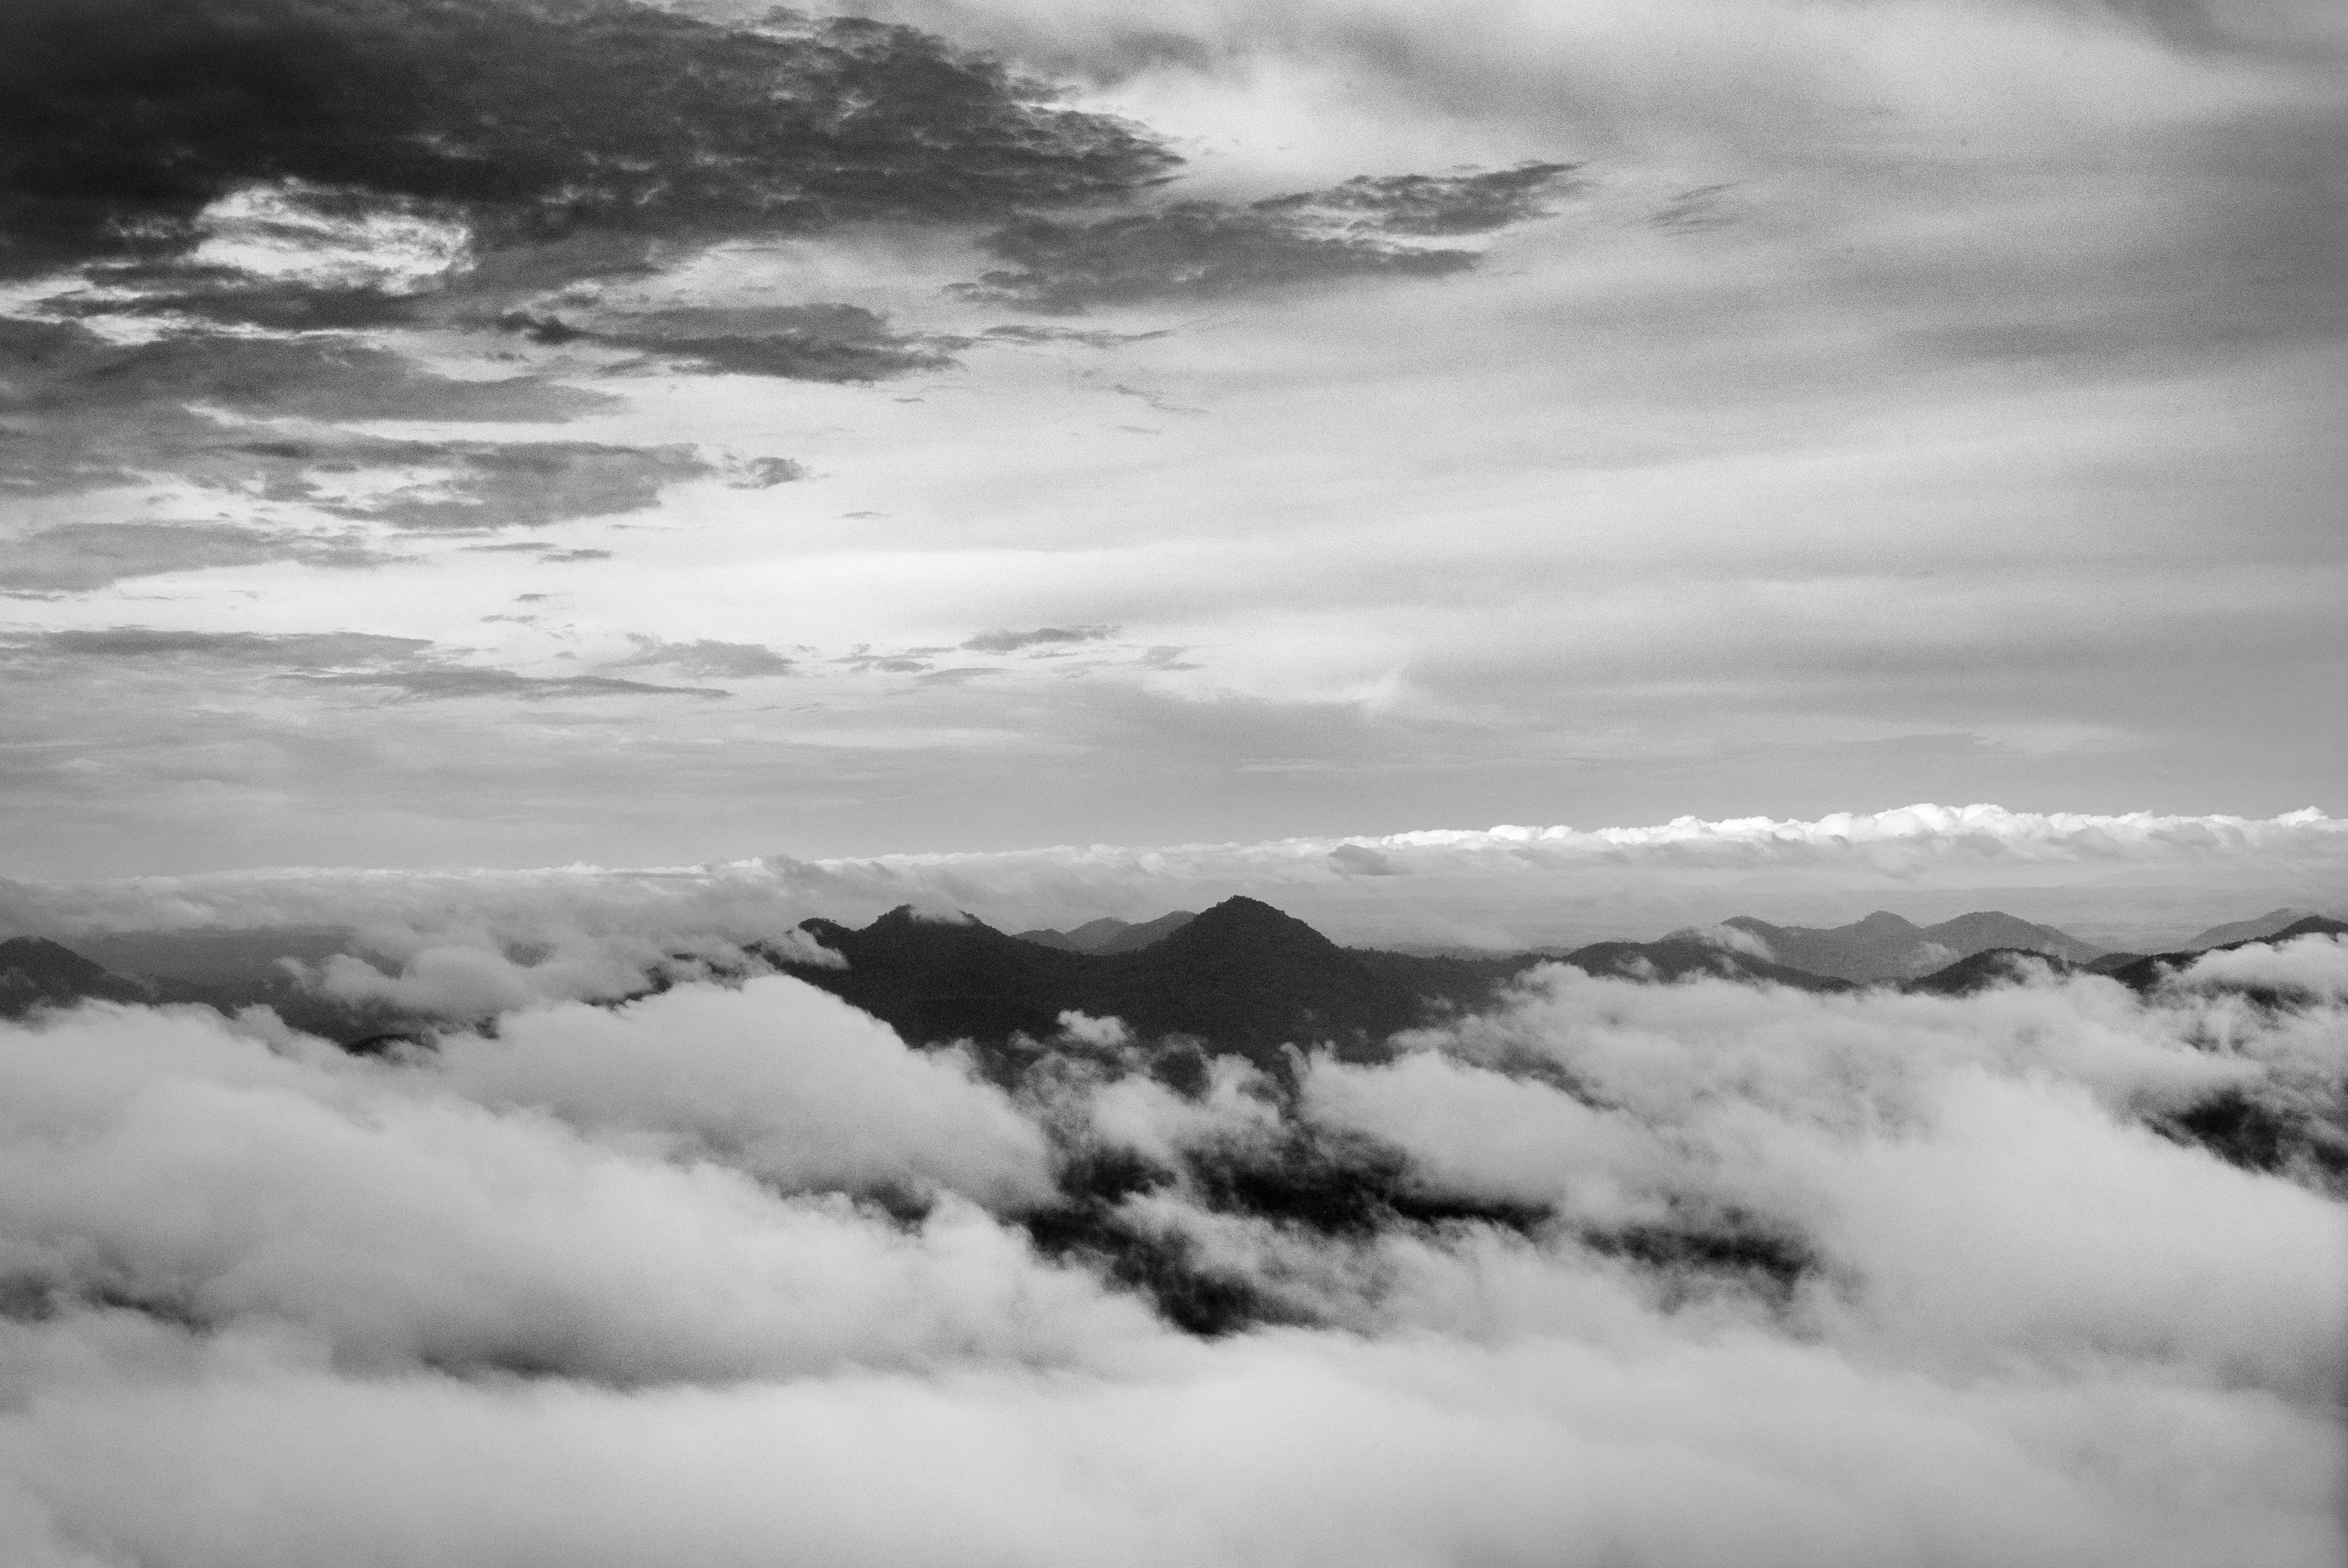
512,505
483,434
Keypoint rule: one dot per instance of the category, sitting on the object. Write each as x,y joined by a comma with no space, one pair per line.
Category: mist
1610,1273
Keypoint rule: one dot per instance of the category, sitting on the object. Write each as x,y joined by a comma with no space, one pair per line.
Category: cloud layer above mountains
2141,882
1688,1275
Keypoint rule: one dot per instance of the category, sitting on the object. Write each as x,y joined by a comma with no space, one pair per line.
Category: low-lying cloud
1691,1274
1505,886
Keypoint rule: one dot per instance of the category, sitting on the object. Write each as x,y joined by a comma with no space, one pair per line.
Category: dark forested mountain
35,972
1989,968
1242,978
1110,935
1884,947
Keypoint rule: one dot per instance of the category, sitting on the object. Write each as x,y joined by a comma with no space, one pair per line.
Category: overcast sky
472,434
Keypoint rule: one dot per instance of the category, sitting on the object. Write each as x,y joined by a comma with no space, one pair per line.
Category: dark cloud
479,484
797,343
75,557
124,119
431,486
1036,336
1432,204
62,369
1366,227
1012,642
225,296
766,472
79,412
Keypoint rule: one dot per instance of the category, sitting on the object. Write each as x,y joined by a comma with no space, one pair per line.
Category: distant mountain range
1242,978
2272,923
1110,935
1884,947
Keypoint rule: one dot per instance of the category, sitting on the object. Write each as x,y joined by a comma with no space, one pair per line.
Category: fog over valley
1303,783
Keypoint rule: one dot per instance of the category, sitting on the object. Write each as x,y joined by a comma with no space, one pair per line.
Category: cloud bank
1689,1275
2144,880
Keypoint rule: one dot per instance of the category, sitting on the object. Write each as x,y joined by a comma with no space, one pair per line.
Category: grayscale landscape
1317,784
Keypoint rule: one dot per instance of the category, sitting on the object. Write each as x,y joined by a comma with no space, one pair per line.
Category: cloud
2310,966
1043,636
1359,860
412,666
777,1079
416,1229
624,117
87,412
446,682
422,485
797,342
76,557
707,656
1366,227
625,1262
275,651
1503,887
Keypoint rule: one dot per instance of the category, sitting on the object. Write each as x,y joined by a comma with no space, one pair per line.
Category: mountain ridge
1884,947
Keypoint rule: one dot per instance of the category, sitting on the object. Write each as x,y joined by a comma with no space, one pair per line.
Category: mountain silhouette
1885,947
1110,935
1242,978
35,972
1989,969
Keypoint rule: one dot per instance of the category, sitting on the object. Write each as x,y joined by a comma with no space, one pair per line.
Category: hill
2256,930
1989,968
1242,978
35,972
1885,947
1110,935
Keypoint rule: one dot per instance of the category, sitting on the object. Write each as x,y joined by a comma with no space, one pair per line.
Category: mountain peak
1883,921
1240,918
37,973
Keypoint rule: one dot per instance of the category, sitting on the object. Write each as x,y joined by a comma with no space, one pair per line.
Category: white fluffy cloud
595,1287
777,1079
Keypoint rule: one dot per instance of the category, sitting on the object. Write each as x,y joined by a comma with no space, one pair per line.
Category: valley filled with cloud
1611,1272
